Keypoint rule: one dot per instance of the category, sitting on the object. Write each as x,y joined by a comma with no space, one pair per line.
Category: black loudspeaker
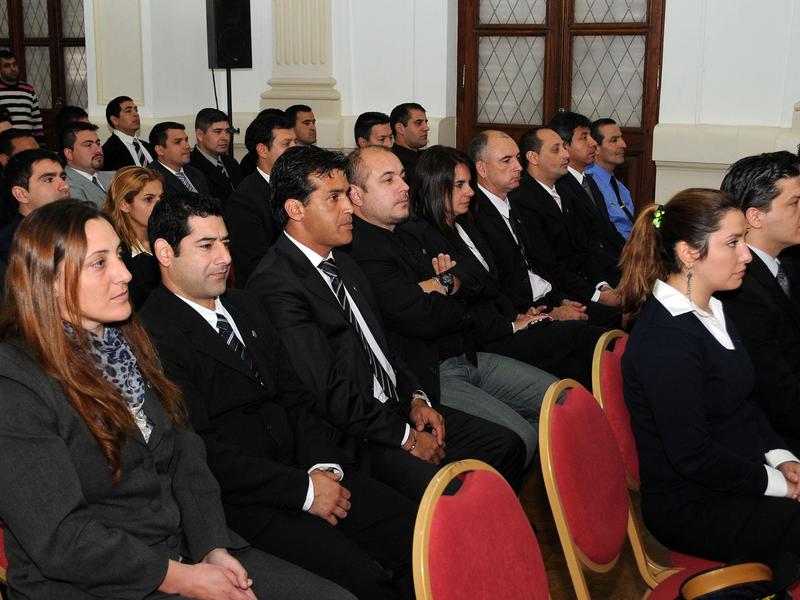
229,36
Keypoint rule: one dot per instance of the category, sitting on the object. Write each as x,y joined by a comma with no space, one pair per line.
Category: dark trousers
466,437
368,552
727,527
563,348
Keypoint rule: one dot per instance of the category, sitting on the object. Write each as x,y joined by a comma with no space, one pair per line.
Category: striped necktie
139,153
234,343
185,181
329,267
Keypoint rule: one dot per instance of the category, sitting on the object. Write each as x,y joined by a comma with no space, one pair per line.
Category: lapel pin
253,333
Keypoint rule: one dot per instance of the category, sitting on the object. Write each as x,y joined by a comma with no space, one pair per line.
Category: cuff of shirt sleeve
335,468
405,435
776,483
779,456
596,296
601,285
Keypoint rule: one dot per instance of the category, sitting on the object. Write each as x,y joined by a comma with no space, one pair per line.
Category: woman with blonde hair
105,489
129,201
716,480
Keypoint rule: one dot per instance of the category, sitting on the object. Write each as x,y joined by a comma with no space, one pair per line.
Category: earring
689,283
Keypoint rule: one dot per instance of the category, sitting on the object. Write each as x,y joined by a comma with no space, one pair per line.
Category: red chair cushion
482,545
3,558
614,404
590,475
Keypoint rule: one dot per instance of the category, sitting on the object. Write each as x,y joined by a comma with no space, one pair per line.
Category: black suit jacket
218,185
424,328
769,323
512,263
251,225
556,240
172,184
260,439
116,154
605,242
324,347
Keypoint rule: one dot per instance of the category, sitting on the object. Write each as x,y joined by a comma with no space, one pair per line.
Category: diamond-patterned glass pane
610,11
4,19
34,18
513,12
72,18
37,65
510,79
75,75
607,77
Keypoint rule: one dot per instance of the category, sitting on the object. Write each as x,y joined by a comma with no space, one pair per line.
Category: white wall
384,53
730,82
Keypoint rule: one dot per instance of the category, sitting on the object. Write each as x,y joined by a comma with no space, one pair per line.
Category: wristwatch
447,281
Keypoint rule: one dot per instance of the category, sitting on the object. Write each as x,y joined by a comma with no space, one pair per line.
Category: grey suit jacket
83,189
71,532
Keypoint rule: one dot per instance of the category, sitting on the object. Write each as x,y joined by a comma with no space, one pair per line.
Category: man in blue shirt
610,155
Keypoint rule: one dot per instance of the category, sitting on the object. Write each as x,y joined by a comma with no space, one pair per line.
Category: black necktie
96,181
783,281
329,267
588,188
139,153
624,208
233,342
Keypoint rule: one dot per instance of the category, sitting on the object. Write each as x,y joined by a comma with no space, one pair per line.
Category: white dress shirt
539,286
714,321
128,141
771,262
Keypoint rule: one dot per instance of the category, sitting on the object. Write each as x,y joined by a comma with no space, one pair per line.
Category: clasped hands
429,427
791,471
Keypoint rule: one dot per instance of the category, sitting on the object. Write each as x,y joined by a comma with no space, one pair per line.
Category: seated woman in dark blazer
105,490
717,481
131,197
441,201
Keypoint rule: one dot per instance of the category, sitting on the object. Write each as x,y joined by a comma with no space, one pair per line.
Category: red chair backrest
590,475
3,558
614,405
482,545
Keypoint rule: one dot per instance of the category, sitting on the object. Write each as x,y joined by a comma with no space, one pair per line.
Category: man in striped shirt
19,97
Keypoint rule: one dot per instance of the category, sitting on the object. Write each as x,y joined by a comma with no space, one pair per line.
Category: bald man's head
496,158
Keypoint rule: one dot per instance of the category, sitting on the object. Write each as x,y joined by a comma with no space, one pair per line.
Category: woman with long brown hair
130,199
716,480
105,491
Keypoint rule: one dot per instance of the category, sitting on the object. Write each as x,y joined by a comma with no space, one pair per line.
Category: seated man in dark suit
410,128
579,187
171,145
248,212
33,178
428,324
123,148
282,471
323,307
765,308
210,154
524,270
551,221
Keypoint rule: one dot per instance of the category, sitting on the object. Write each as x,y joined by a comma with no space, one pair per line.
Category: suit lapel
763,275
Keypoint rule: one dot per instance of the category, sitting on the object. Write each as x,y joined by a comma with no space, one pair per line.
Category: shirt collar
550,190
210,159
128,139
771,262
501,204
89,177
265,176
599,173
678,304
576,174
209,315
314,258
170,170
